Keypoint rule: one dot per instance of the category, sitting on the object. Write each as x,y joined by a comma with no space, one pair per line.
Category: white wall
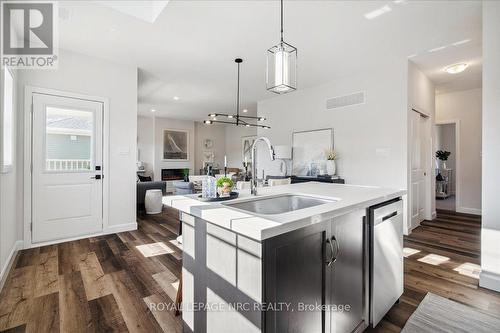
10,230
370,138
215,132
465,106
86,75
161,124
490,236
145,143
233,144
421,97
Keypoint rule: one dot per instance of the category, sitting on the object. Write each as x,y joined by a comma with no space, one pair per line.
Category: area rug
438,314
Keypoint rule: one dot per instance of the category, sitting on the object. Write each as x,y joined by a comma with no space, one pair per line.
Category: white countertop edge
270,226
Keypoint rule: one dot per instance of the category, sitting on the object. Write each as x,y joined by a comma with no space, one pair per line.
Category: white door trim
428,168
28,107
458,189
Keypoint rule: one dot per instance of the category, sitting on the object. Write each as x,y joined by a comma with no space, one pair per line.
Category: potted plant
185,173
443,155
224,186
331,167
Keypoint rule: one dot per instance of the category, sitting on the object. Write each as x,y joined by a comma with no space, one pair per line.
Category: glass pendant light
281,76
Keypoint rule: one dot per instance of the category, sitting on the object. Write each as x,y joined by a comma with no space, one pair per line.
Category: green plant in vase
443,155
185,173
224,186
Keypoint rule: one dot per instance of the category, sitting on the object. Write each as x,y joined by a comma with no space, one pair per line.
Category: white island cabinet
254,268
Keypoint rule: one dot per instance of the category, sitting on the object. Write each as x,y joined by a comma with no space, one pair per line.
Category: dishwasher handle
387,212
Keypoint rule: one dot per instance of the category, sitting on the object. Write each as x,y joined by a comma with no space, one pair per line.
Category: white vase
331,168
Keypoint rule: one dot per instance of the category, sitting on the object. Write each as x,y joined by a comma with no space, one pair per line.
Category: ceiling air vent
346,100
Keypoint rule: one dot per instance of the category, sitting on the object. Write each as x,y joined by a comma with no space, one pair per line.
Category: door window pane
68,140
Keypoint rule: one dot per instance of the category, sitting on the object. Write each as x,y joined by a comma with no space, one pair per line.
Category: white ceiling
189,49
434,63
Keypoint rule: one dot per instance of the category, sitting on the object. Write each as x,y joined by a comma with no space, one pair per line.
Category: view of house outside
68,139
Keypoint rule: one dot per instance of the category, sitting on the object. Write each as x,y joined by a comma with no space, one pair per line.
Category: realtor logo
29,34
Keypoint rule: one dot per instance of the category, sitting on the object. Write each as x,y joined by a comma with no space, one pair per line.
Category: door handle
334,250
96,177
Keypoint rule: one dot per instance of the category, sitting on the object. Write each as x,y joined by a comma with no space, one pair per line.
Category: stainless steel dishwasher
386,257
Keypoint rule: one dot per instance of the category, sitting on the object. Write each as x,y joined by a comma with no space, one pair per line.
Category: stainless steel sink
278,204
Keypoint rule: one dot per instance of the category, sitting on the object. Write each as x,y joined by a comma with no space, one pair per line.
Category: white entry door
418,145
67,186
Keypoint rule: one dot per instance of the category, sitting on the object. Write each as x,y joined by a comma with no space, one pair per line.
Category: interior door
417,126
67,188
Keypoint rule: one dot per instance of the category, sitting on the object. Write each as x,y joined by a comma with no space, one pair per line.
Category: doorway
67,167
446,150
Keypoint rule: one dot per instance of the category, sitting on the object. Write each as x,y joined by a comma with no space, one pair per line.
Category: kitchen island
293,259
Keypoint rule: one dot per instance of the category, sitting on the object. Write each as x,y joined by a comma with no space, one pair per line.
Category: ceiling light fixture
153,110
437,49
465,41
377,12
176,98
245,110
239,120
456,68
281,73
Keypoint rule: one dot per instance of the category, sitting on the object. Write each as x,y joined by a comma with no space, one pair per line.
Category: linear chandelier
238,120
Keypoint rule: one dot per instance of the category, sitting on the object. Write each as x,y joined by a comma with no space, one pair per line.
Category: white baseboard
10,260
489,280
467,210
113,229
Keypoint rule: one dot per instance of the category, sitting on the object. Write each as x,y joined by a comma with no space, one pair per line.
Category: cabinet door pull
335,251
330,260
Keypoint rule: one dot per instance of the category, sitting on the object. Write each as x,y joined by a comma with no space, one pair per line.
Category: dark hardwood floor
104,284
100,284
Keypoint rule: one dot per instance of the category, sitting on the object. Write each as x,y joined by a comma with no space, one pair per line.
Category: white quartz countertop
259,227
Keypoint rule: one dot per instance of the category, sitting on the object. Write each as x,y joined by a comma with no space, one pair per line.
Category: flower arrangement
443,155
224,185
331,155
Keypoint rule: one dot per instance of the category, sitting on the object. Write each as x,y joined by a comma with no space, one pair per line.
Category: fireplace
172,174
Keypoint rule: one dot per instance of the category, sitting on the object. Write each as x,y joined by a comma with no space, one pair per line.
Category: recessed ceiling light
456,68
245,110
208,122
212,115
247,125
377,12
437,49
261,119
461,42
230,116
176,98
153,110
